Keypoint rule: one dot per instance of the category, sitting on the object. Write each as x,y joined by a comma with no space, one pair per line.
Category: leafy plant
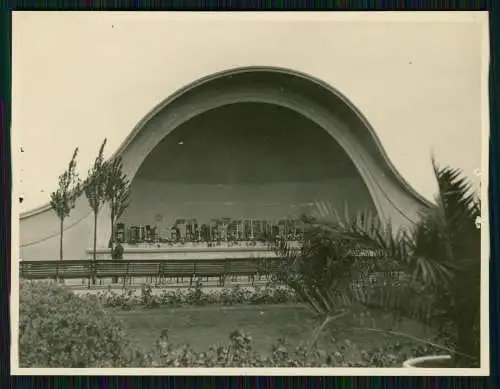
60,329
64,198
196,296
147,297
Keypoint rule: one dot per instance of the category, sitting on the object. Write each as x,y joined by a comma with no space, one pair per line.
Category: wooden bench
111,269
150,269
158,271
211,268
39,270
74,270
242,267
178,270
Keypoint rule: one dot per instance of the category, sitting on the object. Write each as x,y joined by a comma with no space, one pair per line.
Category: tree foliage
117,192
95,188
95,185
64,198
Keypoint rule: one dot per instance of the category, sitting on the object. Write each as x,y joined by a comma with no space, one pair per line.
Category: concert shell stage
254,143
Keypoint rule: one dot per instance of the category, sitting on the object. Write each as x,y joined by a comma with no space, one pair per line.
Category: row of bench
156,270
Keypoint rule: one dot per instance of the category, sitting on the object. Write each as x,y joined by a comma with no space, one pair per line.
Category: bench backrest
74,269
144,268
111,268
210,267
178,268
242,266
38,271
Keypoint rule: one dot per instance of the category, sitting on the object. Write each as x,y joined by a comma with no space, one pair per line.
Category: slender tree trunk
61,239
112,241
112,229
95,237
95,247
61,245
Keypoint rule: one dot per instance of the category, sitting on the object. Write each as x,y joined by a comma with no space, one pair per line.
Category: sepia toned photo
242,193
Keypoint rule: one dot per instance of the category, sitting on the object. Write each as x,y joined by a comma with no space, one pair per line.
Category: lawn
203,326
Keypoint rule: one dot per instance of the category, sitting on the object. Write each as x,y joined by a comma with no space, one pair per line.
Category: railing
156,271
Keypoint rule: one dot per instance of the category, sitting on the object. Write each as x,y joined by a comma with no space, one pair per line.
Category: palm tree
438,263
449,237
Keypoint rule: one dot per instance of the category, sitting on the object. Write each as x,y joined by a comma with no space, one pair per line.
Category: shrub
60,329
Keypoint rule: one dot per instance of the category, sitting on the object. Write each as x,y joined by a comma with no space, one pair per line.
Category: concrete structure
248,142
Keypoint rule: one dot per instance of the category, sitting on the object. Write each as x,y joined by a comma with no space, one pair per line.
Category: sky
80,77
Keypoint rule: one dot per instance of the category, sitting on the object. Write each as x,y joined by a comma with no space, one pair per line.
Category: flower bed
129,298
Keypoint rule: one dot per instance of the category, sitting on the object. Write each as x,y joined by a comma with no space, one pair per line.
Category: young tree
94,188
117,193
63,199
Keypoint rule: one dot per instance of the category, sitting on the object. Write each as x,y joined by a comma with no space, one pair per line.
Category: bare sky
80,77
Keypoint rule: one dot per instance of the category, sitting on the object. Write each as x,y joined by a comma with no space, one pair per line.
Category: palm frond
447,239
458,208
437,261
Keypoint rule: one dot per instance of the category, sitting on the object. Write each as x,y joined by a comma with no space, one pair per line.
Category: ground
203,326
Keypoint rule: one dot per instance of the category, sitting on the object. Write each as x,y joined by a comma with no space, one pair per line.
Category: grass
203,326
